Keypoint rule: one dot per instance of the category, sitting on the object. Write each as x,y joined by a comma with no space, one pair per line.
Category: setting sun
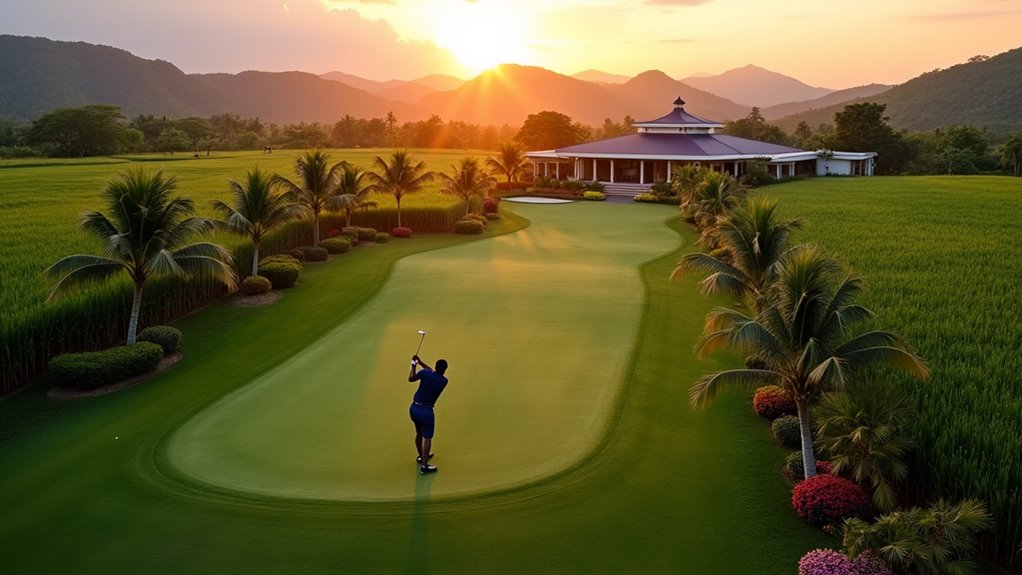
482,35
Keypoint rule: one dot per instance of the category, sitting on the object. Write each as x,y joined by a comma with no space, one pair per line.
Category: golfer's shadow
418,543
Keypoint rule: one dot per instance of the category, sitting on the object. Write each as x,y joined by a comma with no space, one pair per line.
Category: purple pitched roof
679,116
680,145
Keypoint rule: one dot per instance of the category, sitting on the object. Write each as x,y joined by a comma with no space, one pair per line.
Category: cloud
200,36
677,2
962,16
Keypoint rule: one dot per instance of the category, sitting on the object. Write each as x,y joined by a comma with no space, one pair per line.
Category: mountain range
39,75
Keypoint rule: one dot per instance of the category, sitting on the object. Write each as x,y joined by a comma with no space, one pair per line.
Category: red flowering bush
490,205
333,233
401,232
772,401
826,499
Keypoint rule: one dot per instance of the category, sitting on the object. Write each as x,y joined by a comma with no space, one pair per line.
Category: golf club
422,336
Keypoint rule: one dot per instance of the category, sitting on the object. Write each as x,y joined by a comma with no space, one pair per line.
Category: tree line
102,130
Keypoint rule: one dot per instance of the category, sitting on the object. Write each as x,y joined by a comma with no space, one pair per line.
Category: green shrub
282,275
162,335
646,197
594,186
255,285
468,226
795,469
477,217
786,431
594,196
100,368
314,254
297,254
366,234
283,259
335,245
492,216
382,237
351,234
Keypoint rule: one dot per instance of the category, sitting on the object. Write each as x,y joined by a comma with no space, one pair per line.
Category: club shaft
422,337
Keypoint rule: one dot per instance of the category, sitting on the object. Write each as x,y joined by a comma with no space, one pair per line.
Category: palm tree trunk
136,306
255,258
398,212
808,459
315,229
466,206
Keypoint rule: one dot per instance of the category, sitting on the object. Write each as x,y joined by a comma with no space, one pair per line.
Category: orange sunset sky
834,44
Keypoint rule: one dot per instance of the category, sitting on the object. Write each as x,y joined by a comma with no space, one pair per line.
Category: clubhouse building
631,164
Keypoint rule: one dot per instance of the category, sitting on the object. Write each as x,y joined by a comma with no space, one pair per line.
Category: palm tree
146,234
686,180
510,160
400,177
1011,154
715,197
258,207
861,429
940,539
756,239
352,191
467,179
318,188
801,338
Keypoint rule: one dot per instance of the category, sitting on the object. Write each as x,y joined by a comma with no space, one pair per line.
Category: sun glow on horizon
482,34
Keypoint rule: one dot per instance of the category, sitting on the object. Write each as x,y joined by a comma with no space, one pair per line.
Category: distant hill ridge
985,94
40,75
754,86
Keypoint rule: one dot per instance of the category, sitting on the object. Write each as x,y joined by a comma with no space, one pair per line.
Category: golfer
431,385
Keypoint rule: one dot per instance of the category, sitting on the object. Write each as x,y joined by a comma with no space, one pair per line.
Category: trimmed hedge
335,245
786,431
297,254
492,216
314,253
468,226
477,217
382,237
402,232
162,335
594,196
255,285
827,499
646,197
95,369
795,469
282,274
366,234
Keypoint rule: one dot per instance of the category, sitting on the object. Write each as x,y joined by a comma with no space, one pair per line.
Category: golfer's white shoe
427,469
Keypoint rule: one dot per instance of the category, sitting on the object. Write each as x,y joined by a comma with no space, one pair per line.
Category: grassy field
41,200
942,256
88,486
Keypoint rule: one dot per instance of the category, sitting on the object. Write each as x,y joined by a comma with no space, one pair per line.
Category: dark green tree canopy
547,130
864,128
92,130
755,127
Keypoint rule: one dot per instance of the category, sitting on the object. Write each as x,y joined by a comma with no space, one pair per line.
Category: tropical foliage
398,177
352,191
146,233
257,208
802,337
937,540
509,162
316,190
862,431
467,180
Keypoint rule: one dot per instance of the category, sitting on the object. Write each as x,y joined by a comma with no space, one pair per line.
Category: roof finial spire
679,102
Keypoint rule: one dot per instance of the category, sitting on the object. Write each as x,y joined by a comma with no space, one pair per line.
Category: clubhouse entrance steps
621,189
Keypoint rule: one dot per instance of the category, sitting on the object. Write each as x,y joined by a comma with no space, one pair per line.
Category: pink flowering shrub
830,562
401,232
826,499
825,562
772,401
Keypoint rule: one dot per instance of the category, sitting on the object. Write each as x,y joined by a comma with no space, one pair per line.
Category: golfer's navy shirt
431,385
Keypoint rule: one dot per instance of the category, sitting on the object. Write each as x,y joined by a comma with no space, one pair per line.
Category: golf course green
538,327
280,443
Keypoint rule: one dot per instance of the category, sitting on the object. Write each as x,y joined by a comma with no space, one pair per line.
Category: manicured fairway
538,327
94,486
